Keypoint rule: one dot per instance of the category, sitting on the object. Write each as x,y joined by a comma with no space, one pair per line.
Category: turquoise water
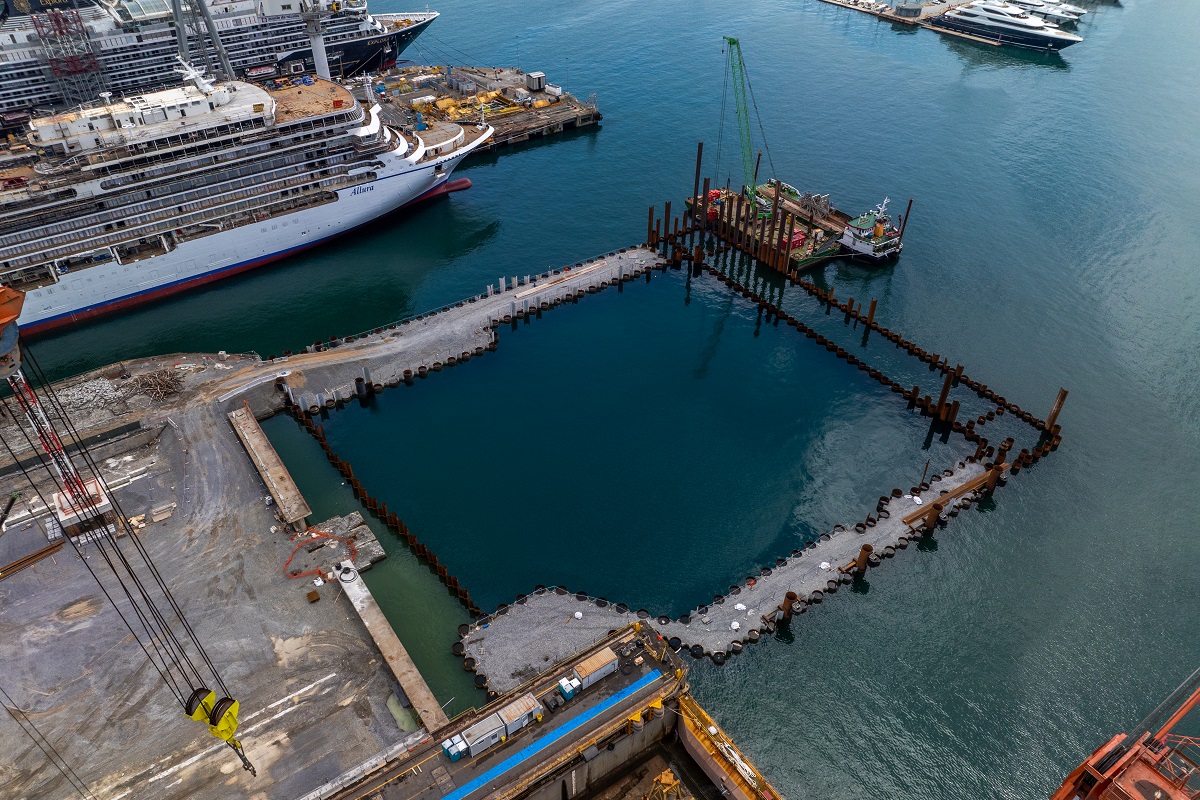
1053,242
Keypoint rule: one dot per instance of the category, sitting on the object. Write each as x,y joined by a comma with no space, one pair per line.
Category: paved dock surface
510,645
407,675
312,685
293,509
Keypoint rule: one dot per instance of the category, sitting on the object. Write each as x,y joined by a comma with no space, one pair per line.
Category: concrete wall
578,776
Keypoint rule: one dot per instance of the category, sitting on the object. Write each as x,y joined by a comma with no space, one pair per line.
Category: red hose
319,535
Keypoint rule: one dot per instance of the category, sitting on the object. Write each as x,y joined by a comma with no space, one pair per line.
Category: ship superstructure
56,53
129,200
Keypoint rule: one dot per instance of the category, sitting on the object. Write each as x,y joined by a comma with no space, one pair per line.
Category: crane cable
724,96
758,116
202,704
163,638
123,521
43,743
173,663
162,669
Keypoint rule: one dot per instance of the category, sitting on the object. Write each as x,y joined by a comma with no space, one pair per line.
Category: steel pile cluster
990,461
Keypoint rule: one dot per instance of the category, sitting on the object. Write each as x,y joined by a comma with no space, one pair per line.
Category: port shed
596,666
519,713
535,81
484,734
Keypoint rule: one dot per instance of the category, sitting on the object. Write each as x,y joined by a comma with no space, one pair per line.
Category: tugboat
1150,763
872,236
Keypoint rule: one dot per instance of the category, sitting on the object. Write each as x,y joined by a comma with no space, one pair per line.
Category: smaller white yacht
1052,12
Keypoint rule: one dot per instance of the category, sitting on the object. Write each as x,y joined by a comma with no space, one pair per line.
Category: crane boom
737,66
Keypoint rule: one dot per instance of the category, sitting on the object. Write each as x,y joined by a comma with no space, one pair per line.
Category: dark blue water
1053,242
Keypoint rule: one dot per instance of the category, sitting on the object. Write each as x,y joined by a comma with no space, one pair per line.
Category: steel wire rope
724,95
77,783
74,435
469,59
440,54
167,657
122,521
758,116
178,657
165,675
1155,717
170,650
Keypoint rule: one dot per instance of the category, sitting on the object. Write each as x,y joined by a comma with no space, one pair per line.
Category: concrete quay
331,373
293,509
427,708
515,641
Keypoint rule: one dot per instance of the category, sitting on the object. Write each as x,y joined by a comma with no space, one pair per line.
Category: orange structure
1147,764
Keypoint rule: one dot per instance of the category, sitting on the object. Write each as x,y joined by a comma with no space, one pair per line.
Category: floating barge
788,230
518,105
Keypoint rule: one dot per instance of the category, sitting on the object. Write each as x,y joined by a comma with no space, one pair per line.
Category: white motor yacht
1004,23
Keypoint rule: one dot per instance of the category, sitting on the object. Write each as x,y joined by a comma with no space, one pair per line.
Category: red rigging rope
317,536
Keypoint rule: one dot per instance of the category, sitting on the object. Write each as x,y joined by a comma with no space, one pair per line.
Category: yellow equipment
667,787
222,718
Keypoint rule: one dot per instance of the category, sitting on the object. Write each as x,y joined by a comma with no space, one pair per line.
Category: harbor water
654,446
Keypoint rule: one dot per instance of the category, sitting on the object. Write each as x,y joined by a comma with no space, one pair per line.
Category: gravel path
518,641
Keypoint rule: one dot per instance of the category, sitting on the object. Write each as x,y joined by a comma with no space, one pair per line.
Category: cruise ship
1004,23
126,201
49,47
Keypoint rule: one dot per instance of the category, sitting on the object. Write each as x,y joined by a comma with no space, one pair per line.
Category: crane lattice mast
737,68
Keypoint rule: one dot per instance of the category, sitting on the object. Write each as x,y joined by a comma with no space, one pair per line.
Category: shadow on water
374,237
978,54
491,157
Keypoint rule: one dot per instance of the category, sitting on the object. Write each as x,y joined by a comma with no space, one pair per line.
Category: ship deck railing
172,223
221,205
38,231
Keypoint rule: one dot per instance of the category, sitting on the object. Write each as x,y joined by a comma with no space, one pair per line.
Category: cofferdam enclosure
652,445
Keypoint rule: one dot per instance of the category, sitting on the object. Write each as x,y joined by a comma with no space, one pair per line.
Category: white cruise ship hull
98,290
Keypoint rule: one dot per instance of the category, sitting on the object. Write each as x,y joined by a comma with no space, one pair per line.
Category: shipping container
554,90
519,713
595,667
484,734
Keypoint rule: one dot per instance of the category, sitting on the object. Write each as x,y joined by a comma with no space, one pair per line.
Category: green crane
737,67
